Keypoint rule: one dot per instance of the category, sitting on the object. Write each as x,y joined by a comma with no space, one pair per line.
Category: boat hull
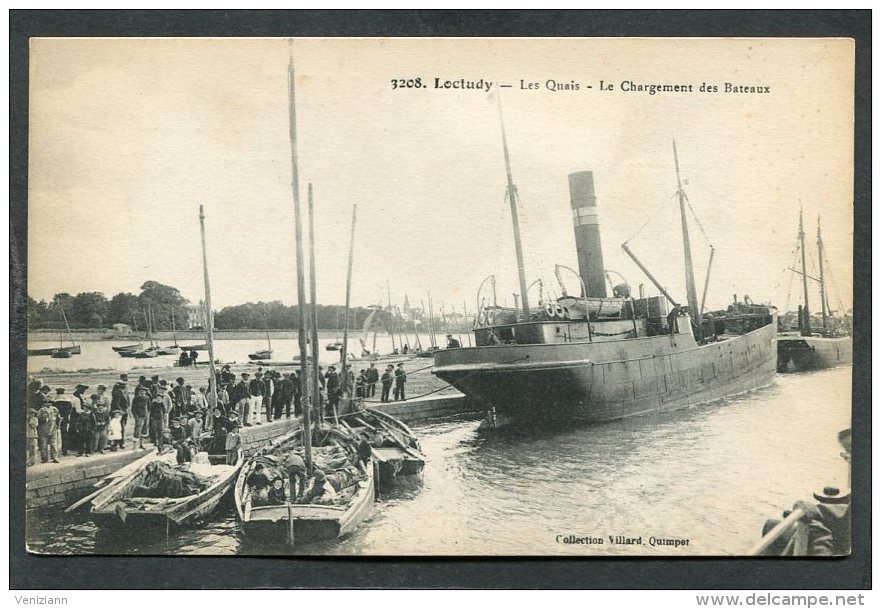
605,381
797,353
105,514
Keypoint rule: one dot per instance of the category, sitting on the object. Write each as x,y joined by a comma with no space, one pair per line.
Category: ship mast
512,198
209,314
822,282
690,288
806,314
301,279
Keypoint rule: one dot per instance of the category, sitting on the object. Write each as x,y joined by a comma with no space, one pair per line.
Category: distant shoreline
186,335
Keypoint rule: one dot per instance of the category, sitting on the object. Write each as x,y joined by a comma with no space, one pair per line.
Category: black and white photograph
433,297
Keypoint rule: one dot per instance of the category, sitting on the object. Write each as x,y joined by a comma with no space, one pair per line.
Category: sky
129,136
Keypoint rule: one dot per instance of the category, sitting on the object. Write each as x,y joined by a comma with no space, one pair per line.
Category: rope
649,221
696,219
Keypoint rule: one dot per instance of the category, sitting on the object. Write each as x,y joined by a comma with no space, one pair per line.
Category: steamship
593,358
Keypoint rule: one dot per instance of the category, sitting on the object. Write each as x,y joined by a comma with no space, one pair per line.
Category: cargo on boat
159,492
592,357
349,500
395,448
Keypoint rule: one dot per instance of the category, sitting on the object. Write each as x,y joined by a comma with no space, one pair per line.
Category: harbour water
710,474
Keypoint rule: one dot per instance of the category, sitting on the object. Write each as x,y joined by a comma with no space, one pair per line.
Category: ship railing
795,527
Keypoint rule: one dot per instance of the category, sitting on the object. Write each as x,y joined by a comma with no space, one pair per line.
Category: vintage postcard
441,296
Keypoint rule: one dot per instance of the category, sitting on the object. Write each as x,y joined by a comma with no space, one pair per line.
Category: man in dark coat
387,380
400,381
372,380
332,381
68,422
119,402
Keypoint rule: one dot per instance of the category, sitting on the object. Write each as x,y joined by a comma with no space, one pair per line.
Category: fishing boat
128,348
333,450
62,351
337,343
809,349
175,348
591,358
395,447
142,499
266,353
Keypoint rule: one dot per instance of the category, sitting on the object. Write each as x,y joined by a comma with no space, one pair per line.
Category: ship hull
797,353
604,381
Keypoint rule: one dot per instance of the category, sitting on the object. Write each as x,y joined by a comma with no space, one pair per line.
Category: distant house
122,329
196,317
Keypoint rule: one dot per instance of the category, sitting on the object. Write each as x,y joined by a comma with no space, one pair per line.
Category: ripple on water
712,473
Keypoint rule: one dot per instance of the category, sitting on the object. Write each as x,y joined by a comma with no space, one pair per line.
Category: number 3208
406,83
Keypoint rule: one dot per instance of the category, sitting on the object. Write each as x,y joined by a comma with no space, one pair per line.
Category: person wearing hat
400,381
387,380
102,419
233,440
332,380
320,490
48,420
178,433
243,396
256,391
295,469
87,423
829,518
140,412
67,435
372,380
103,398
452,343
120,402
157,415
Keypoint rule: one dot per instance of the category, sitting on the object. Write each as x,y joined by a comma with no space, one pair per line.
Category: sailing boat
337,344
175,348
153,349
593,358
263,353
63,352
808,349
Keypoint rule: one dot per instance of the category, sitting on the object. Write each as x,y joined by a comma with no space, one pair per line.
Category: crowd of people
155,411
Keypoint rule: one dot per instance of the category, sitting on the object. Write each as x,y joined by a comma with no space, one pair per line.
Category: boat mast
298,233
806,315
209,313
822,282
316,383
66,325
345,380
173,327
690,288
512,199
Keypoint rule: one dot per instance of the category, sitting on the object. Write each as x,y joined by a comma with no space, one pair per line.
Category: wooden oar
84,500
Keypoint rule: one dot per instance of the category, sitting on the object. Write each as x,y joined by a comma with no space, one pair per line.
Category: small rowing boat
158,491
128,348
264,354
346,504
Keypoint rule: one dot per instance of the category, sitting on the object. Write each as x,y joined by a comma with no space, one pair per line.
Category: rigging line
696,219
659,209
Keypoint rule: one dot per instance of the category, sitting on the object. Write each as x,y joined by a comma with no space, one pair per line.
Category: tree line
167,309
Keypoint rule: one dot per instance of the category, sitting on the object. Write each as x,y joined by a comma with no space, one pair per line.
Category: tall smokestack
587,233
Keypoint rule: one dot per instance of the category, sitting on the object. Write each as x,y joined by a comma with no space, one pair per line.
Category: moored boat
128,348
809,349
395,448
594,358
159,492
353,492
265,354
